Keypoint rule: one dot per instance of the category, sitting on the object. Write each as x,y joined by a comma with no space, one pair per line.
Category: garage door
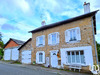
15,54
26,56
7,54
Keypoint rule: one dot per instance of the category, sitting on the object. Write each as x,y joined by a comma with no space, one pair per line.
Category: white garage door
7,54
26,56
15,54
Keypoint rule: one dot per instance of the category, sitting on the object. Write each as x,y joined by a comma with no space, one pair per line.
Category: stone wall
86,37
28,46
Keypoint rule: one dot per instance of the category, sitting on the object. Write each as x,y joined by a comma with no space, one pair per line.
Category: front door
54,59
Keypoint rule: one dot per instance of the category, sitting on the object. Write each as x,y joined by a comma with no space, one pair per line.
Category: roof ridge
64,21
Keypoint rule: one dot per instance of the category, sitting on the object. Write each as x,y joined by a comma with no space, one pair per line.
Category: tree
0,36
98,50
1,46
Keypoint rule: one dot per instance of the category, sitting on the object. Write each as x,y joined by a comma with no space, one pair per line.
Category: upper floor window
53,38
72,34
40,40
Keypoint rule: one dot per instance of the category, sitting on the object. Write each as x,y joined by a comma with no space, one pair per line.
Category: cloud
98,36
16,35
22,4
8,27
24,26
25,15
2,21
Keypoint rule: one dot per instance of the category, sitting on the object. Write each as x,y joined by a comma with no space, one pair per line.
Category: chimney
43,23
86,7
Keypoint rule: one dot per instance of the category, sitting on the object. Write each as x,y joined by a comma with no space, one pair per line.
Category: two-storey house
67,42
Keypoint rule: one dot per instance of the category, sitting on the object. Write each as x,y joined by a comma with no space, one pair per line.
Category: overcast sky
17,17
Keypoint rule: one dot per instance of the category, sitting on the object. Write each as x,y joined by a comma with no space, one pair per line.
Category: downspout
94,39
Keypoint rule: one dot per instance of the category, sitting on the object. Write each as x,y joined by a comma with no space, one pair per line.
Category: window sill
53,44
76,64
40,63
73,42
40,46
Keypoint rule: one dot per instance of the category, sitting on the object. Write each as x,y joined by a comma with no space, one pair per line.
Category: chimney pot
43,23
86,7
84,3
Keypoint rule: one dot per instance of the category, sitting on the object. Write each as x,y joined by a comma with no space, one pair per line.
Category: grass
11,61
15,62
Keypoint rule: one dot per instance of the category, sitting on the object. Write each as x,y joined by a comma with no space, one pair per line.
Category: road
20,69
17,70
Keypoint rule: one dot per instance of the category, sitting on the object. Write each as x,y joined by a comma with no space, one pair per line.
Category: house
67,42
25,52
11,51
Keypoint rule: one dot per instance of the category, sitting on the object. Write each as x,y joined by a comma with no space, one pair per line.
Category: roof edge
64,21
25,43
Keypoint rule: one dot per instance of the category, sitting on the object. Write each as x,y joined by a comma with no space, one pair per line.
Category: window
53,38
72,35
75,57
40,41
40,57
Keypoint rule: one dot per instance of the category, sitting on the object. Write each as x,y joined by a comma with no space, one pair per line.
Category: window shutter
57,37
37,57
49,39
67,36
43,39
37,41
43,57
78,33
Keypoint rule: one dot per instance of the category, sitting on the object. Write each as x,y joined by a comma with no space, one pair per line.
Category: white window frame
87,53
75,57
37,60
77,35
50,38
38,41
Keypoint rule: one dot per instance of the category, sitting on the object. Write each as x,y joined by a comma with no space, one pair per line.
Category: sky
17,17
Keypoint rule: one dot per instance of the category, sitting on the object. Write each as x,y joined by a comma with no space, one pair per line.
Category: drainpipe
94,40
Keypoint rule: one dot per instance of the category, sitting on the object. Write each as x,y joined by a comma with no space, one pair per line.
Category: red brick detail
11,44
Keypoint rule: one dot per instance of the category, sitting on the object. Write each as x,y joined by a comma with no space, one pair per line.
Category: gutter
94,40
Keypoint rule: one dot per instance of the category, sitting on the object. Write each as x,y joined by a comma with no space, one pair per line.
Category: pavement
20,69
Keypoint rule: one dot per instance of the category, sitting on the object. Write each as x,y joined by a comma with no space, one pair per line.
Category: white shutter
78,33
88,56
37,41
67,36
57,37
43,57
49,39
37,57
43,39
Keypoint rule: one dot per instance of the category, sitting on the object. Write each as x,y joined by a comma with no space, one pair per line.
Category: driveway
15,69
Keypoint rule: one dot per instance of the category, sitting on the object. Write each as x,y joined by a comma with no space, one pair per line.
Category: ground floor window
75,57
40,57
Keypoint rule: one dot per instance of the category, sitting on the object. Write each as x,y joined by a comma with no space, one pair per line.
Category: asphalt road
6,69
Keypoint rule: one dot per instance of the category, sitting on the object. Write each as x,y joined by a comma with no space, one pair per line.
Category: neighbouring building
11,51
67,42
25,52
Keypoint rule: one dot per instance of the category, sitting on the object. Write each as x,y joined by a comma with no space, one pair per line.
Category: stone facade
86,37
25,47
